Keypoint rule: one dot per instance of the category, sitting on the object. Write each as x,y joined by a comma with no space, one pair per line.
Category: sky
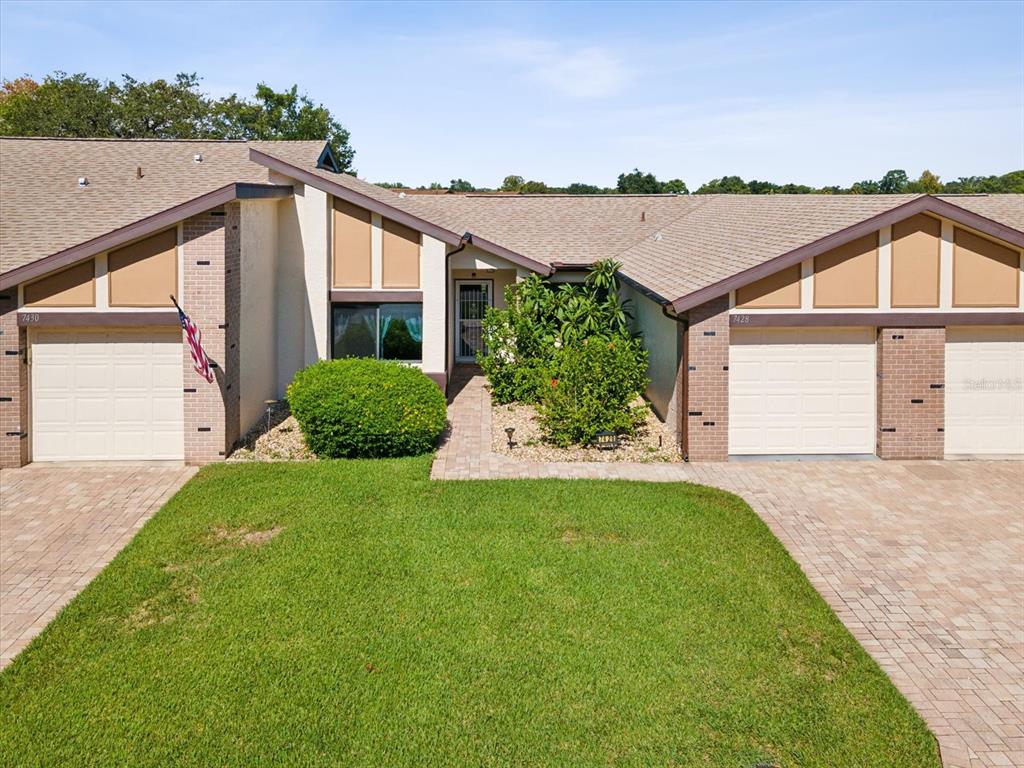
828,93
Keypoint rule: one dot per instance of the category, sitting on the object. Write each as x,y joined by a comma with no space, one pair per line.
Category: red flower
554,382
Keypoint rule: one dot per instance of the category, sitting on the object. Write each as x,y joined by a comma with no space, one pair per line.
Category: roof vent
657,237
401,194
83,182
138,172
643,215
197,157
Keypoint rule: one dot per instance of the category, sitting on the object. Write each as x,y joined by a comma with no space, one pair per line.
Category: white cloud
590,72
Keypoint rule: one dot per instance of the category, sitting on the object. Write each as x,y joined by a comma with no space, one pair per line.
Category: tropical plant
593,388
524,339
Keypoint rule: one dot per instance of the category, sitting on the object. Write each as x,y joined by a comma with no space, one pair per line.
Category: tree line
79,106
636,182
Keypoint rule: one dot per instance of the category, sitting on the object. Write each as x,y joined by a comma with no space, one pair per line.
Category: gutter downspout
467,239
682,380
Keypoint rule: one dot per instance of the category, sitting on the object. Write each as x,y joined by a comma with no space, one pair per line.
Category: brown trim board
141,228
97,319
376,297
875,319
924,204
395,214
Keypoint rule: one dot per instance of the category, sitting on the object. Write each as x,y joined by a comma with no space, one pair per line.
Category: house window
384,331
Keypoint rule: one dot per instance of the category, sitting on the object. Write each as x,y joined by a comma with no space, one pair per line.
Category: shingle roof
558,229
44,211
733,233
670,245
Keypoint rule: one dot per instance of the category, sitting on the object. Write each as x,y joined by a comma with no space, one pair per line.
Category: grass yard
354,613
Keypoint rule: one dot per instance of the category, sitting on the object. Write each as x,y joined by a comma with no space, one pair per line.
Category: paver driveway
59,526
922,561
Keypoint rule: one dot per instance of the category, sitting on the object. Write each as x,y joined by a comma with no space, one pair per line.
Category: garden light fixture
509,431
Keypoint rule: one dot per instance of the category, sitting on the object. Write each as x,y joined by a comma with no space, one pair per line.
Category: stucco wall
661,338
258,339
432,280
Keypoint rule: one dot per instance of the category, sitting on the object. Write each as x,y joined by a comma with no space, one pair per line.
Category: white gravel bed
653,442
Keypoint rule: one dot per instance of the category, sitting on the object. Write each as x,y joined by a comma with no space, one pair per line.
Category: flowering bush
568,333
593,386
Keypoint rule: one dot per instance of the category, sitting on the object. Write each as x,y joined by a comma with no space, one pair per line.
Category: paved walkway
922,561
59,526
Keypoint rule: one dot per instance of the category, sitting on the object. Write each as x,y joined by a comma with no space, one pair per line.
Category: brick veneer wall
211,297
911,393
707,384
13,384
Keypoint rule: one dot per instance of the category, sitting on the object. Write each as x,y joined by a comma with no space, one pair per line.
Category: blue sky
807,92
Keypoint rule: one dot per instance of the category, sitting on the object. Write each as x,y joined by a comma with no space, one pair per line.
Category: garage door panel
985,391
99,395
802,391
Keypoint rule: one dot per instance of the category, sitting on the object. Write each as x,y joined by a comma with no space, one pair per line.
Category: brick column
911,393
211,247
707,381
13,384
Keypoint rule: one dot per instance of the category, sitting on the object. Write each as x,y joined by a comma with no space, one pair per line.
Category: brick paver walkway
59,526
922,561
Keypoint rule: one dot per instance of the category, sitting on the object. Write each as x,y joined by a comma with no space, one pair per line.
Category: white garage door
101,395
802,391
984,391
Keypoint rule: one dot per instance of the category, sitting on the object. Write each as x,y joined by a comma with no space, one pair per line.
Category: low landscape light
509,431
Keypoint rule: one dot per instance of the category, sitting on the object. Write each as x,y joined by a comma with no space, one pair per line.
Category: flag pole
175,302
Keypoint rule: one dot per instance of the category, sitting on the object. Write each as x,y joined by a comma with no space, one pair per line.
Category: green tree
460,185
83,107
62,105
534,188
161,109
579,188
675,186
282,115
638,183
727,185
512,183
894,182
929,183
866,187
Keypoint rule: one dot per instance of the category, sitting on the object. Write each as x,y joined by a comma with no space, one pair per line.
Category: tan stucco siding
778,291
144,274
71,287
660,336
352,234
985,273
258,310
916,244
400,256
847,276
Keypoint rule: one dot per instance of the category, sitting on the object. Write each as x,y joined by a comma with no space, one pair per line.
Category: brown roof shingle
670,245
43,210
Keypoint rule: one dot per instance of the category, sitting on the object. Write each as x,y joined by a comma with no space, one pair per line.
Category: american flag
195,344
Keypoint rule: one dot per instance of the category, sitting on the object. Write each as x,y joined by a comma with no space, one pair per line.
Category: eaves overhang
923,204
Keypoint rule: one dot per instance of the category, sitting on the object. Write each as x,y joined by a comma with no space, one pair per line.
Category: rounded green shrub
367,408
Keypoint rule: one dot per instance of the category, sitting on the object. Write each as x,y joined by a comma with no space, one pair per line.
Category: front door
473,297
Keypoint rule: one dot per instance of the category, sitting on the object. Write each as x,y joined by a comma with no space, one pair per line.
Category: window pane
354,332
401,332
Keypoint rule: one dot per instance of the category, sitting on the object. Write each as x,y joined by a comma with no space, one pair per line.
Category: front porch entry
473,297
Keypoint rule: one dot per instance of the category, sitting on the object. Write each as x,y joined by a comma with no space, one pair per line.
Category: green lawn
354,613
